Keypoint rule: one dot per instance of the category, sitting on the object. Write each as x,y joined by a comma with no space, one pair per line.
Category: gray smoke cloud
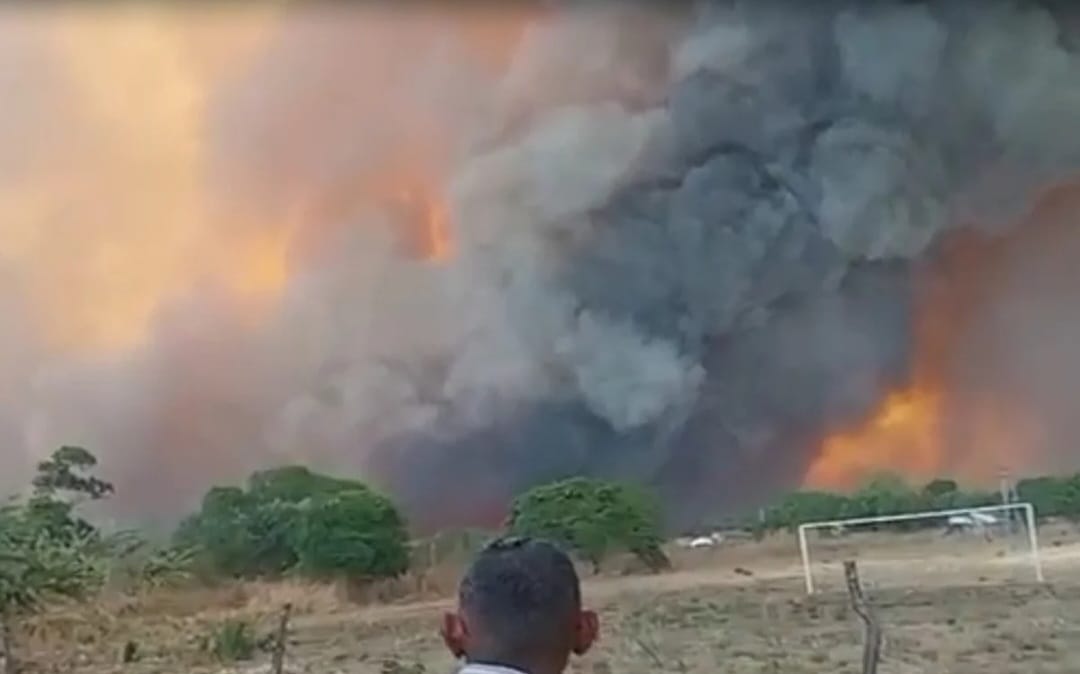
684,245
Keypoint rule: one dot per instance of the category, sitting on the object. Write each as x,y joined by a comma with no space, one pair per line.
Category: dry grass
947,606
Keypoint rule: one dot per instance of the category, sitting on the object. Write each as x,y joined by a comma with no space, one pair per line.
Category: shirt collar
480,668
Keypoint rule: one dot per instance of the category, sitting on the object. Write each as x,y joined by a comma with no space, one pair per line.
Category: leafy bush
593,518
291,518
145,566
36,566
233,641
46,550
884,495
940,488
226,531
358,534
805,506
293,484
890,495
1052,496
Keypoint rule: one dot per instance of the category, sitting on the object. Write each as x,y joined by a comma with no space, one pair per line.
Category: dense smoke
684,244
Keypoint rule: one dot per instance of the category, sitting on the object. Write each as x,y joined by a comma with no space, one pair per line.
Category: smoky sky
685,244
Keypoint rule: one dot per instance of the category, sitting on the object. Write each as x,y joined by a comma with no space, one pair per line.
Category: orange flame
112,217
902,436
108,219
961,413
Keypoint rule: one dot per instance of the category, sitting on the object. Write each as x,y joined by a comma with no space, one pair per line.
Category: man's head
520,606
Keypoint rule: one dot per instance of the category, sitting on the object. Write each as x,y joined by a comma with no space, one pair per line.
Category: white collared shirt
478,668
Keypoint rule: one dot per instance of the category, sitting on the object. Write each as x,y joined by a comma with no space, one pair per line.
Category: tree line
287,521
291,521
890,495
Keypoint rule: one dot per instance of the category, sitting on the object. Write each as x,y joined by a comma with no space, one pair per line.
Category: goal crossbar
1027,508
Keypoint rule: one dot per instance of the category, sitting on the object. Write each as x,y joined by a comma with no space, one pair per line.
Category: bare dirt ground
948,605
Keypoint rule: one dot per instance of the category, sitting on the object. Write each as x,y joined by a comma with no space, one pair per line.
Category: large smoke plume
684,243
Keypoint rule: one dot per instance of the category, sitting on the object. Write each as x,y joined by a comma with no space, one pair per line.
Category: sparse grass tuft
395,665
233,641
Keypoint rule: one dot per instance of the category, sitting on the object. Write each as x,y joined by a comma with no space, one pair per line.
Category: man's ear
455,634
588,631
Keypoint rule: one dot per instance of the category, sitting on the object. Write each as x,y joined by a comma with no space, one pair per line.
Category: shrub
46,550
806,506
356,534
291,518
34,566
593,518
884,495
156,567
939,488
293,484
232,641
1052,496
890,495
235,536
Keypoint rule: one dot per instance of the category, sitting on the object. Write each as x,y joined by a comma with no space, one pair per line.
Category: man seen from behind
519,611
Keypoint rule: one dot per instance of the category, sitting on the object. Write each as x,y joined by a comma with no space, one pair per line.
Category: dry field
949,605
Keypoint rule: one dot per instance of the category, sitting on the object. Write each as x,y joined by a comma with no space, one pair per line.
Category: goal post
1027,509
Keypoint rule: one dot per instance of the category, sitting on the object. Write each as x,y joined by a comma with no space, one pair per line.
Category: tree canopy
355,533
890,495
61,483
594,518
294,519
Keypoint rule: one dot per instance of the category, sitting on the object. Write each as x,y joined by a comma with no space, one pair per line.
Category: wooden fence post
278,662
863,609
7,644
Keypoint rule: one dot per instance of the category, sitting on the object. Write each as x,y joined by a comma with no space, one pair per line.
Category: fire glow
392,241
136,174
983,362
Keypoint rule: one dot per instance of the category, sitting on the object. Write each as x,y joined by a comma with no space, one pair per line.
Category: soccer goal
985,520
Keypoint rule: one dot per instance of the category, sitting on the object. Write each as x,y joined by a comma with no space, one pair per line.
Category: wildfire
110,214
902,436
988,368
107,218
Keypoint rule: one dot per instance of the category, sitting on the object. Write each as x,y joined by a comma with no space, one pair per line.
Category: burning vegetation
979,399
722,250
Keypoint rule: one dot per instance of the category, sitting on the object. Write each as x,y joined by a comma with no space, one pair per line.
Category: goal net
958,546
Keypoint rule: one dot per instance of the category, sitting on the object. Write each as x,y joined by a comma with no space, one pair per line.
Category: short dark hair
523,594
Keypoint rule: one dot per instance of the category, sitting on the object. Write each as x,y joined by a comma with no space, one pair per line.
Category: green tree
806,506
356,534
62,482
884,495
221,533
594,518
68,470
1052,496
256,532
239,535
293,484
